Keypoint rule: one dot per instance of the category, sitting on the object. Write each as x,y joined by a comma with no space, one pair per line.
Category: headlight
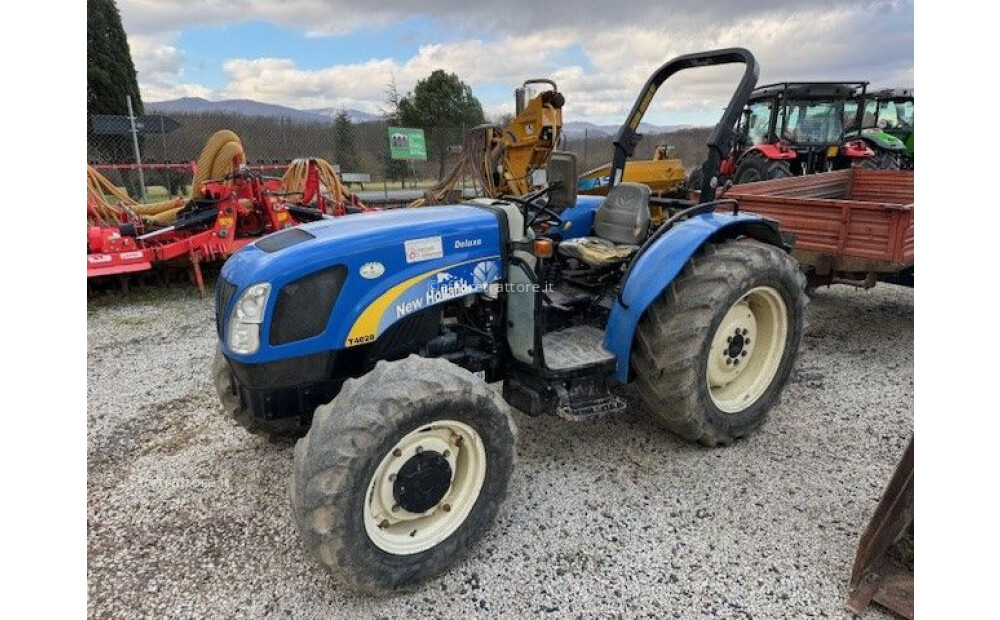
243,334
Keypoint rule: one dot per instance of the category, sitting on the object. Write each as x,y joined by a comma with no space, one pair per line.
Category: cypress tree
110,71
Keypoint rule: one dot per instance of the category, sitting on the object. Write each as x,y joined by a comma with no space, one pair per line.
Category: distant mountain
249,107
356,116
577,129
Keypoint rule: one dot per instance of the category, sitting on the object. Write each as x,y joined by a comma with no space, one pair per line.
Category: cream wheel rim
747,349
425,487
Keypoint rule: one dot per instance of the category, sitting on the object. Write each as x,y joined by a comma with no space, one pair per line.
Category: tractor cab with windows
795,128
884,120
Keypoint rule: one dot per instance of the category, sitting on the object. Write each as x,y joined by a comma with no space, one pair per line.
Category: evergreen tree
110,78
110,71
346,149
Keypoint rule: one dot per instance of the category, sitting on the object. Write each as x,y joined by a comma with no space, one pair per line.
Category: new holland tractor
377,337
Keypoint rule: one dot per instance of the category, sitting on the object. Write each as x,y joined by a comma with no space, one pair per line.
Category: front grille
223,293
303,307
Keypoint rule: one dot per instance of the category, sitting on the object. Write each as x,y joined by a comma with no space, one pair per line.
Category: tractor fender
857,148
655,269
884,141
771,151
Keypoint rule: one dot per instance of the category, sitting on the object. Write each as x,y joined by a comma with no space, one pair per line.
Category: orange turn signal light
543,248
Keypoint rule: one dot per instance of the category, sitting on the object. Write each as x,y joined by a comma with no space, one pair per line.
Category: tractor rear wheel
883,160
755,167
713,353
402,473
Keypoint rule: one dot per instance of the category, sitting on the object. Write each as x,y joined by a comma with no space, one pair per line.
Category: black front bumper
287,390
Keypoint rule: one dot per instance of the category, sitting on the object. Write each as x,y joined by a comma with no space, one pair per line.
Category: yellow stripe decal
365,328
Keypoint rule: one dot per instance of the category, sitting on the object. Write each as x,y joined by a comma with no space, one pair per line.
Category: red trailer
851,226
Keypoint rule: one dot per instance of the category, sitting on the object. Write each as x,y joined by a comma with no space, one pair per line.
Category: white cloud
621,46
160,70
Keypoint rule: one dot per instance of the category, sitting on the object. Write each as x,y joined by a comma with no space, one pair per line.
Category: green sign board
407,143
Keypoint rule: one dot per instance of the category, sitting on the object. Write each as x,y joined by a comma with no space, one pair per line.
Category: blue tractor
374,338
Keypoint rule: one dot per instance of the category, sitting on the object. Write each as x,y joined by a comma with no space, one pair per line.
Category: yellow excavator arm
501,160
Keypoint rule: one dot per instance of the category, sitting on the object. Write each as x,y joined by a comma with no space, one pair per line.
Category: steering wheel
539,210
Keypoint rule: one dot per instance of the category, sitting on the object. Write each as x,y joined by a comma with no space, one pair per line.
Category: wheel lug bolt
746,341
729,338
737,331
419,449
728,361
743,353
744,331
392,477
397,452
736,362
383,524
447,453
395,508
446,507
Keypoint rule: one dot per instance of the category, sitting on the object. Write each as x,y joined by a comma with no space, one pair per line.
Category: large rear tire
713,353
755,167
402,473
883,160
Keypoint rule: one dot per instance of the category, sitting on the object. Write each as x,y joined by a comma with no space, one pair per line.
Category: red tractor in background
793,128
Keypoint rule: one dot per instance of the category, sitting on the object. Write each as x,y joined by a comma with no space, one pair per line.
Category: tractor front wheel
402,473
755,167
713,353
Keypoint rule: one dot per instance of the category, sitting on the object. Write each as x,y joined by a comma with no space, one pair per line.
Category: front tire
402,473
755,167
713,353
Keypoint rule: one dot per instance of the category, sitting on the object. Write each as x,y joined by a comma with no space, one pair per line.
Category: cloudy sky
330,53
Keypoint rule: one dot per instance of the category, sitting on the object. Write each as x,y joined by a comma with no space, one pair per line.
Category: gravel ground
187,514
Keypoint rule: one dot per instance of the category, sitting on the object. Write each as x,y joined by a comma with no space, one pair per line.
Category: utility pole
135,147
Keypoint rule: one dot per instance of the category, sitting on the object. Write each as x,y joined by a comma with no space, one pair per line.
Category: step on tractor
377,336
886,125
793,128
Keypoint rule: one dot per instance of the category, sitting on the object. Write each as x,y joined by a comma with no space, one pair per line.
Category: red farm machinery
230,205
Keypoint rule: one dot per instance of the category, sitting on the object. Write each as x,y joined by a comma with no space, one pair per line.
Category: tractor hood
384,266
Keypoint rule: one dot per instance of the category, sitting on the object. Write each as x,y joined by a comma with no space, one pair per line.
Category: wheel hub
422,482
746,349
424,487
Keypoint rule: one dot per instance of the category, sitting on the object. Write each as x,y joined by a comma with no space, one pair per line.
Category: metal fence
361,151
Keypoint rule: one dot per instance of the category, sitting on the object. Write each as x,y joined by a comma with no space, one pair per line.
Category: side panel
656,268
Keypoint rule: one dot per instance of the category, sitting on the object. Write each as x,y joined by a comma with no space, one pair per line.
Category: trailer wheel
755,167
402,473
233,408
713,353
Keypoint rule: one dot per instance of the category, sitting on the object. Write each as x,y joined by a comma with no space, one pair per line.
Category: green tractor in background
885,123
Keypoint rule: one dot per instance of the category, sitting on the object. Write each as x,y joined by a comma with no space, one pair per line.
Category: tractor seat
621,224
